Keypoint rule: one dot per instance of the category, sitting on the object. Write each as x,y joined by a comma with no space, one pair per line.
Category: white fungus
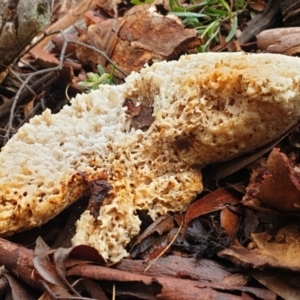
207,107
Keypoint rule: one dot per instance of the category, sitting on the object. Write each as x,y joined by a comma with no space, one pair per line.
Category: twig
57,68
113,297
25,82
101,53
17,76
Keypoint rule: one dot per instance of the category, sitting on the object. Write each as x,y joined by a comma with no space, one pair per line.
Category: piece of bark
20,22
203,270
254,258
19,261
165,287
280,40
262,21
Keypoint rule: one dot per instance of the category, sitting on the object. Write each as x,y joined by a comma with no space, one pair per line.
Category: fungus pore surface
207,107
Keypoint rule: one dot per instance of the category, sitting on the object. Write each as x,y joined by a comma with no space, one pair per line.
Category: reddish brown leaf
88,253
44,58
58,42
280,188
211,202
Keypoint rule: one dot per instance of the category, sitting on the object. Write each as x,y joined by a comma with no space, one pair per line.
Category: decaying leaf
284,284
18,290
162,225
142,36
275,184
204,237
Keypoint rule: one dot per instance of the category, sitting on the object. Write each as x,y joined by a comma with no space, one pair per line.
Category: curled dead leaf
280,187
211,202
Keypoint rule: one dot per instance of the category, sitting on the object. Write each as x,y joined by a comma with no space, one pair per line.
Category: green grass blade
234,27
188,14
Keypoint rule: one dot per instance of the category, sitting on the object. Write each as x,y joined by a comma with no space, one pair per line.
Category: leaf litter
229,238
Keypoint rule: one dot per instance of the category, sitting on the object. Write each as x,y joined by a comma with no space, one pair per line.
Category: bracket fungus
206,107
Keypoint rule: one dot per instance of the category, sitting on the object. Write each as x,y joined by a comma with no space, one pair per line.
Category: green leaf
138,2
212,26
93,76
178,6
225,5
188,14
216,12
135,2
100,69
233,29
192,22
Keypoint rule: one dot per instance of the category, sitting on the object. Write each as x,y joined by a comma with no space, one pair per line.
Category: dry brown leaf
141,36
163,224
211,202
274,183
43,58
99,191
19,291
280,188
